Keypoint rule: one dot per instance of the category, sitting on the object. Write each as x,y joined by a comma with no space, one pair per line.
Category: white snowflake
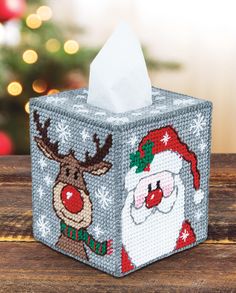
63,131
137,113
198,196
198,124
100,113
184,235
133,140
55,100
155,111
161,107
85,91
48,180
198,215
41,192
42,163
118,120
80,109
158,98
180,102
102,195
156,92
81,96
43,226
84,135
97,231
202,146
165,138
158,109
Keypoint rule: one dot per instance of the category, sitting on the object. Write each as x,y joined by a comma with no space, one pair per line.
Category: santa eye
158,184
149,187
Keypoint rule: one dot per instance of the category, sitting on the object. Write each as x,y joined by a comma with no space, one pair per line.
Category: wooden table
29,266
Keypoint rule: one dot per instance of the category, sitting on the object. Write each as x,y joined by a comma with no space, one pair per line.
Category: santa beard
151,233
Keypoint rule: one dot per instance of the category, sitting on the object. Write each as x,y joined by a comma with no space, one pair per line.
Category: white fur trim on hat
132,179
164,161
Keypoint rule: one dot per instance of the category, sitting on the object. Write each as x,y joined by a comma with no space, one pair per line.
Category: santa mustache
167,203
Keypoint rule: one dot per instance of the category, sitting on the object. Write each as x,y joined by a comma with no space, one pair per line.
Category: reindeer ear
99,168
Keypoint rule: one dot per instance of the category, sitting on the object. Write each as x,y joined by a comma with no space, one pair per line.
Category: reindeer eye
67,172
76,175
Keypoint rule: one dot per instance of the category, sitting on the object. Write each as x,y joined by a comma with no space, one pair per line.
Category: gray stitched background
81,121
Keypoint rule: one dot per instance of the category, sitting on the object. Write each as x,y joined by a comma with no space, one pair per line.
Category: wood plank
223,168
34,267
222,203
15,199
15,169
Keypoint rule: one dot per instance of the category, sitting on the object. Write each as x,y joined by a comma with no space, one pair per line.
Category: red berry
71,199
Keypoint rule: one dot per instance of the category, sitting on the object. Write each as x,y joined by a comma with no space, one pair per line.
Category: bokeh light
33,21
39,86
53,45
53,91
71,47
44,12
14,88
27,109
30,56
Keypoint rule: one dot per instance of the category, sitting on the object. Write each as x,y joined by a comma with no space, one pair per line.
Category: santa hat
161,150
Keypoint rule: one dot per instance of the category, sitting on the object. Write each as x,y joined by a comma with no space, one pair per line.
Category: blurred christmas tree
37,57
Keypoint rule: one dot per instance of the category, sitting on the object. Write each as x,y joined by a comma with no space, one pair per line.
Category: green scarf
99,248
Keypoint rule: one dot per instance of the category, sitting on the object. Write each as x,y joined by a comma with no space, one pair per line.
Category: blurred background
47,46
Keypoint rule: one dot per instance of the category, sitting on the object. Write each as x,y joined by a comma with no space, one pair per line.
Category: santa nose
154,197
72,199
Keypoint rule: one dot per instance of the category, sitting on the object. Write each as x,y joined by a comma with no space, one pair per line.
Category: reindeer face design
71,199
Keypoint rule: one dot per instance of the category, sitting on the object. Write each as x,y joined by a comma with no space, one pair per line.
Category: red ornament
6,145
154,197
10,9
71,199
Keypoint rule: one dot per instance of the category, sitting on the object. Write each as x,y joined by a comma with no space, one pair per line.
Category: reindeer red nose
154,197
71,199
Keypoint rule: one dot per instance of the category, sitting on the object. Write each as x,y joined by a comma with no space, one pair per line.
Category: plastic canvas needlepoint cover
119,191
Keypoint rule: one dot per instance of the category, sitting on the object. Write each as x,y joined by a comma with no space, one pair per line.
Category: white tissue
119,80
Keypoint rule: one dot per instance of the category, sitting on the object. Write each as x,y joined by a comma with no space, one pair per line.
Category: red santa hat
161,150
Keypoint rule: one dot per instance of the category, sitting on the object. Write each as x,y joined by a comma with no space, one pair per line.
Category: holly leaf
142,162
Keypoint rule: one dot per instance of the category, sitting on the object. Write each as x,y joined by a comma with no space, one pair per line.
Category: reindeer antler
44,142
91,164
101,152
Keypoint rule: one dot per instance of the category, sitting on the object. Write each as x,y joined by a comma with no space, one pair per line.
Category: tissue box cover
120,191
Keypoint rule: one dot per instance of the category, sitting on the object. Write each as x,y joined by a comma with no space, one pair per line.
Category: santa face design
153,216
